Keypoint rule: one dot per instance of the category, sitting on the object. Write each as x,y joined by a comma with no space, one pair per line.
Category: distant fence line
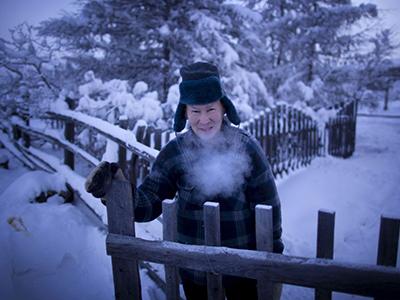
289,138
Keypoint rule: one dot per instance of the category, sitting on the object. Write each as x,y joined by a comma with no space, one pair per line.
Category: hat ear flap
180,118
230,109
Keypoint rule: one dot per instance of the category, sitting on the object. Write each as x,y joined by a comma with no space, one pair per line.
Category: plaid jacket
172,173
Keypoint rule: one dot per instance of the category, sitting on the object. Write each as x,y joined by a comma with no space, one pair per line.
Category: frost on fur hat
201,85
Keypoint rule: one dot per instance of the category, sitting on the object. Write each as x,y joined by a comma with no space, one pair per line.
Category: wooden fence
342,131
289,137
323,273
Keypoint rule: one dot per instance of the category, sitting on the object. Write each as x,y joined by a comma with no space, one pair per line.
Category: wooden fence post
169,211
278,137
69,134
26,137
157,139
251,126
299,138
147,141
121,221
135,161
388,241
123,123
264,240
16,132
268,136
262,131
309,141
212,237
325,244
290,137
273,155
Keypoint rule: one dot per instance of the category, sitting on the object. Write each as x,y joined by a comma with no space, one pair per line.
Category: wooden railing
24,141
289,137
145,155
323,273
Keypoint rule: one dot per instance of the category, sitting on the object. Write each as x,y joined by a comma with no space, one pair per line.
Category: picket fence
323,273
290,138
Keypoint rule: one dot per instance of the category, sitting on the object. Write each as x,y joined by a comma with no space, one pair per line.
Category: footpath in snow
51,251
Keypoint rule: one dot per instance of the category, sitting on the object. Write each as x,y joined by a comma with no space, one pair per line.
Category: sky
14,12
389,12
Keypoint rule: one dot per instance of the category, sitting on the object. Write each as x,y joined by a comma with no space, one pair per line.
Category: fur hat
201,85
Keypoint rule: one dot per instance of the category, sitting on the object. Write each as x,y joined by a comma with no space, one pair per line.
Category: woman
212,161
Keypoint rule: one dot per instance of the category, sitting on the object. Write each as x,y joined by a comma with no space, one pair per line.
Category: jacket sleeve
261,189
159,185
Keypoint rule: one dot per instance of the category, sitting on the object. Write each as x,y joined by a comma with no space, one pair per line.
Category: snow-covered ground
51,251
359,190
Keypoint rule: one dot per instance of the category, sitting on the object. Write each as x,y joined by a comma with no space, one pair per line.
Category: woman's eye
210,109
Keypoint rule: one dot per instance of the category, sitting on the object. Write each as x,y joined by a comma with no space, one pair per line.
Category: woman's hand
99,180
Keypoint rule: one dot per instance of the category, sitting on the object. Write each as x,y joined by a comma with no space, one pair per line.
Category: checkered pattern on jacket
171,174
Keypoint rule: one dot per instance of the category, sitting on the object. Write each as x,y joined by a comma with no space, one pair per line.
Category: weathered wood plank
325,243
169,210
26,137
157,139
121,221
69,134
351,278
212,237
264,239
388,241
60,142
123,123
143,151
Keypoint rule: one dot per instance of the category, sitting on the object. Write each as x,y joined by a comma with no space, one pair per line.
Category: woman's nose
203,118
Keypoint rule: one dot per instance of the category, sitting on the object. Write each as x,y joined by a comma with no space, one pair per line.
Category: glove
278,246
98,182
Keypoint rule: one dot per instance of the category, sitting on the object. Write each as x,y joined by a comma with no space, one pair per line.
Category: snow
12,149
111,153
115,131
110,99
3,158
52,251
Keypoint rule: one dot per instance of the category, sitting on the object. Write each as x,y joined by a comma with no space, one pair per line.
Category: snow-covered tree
112,99
310,39
265,49
365,73
28,69
150,40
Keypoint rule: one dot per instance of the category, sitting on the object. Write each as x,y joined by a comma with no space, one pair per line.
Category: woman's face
205,120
